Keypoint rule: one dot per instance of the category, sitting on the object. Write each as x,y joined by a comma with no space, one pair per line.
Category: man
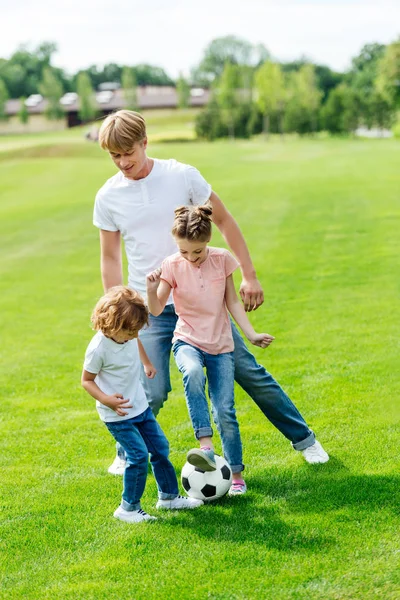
137,205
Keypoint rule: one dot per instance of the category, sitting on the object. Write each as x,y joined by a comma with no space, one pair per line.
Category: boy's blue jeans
140,437
220,375
252,377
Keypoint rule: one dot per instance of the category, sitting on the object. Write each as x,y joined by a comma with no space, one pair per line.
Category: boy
111,374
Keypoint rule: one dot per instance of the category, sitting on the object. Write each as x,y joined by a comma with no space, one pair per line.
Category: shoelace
238,486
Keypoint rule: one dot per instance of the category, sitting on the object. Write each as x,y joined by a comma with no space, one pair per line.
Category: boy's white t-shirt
117,368
143,211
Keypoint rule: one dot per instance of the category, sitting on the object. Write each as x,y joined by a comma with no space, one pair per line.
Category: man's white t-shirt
117,368
143,211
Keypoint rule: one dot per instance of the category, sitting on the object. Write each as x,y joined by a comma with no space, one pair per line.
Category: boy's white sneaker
178,503
132,516
315,454
118,466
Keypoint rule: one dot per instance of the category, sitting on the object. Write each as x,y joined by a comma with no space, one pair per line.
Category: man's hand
251,293
263,340
150,371
153,280
118,403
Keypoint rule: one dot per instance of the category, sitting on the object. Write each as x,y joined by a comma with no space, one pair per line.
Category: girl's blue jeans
140,437
252,377
220,370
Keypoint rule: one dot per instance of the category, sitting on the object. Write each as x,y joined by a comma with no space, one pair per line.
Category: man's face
133,162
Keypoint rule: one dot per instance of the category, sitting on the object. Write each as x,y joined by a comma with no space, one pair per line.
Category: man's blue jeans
220,375
252,377
140,437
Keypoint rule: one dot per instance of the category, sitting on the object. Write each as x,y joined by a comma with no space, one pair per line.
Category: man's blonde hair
120,308
120,130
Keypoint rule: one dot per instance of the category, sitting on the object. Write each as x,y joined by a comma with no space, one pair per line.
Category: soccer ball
207,485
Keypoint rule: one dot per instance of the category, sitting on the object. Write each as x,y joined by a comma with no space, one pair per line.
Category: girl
200,278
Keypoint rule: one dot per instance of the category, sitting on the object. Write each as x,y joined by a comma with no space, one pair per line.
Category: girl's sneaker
132,516
238,488
202,458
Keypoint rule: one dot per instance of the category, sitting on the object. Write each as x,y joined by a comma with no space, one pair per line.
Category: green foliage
23,71
229,49
23,113
271,92
211,122
51,89
183,92
304,98
388,79
87,108
129,88
341,113
3,99
227,95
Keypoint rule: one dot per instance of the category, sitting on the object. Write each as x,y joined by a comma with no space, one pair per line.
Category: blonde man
137,206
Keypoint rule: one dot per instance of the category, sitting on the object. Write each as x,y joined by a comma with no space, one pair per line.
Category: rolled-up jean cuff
164,496
203,432
237,468
129,507
306,443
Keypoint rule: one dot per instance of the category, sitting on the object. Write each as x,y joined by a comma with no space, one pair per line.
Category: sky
174,34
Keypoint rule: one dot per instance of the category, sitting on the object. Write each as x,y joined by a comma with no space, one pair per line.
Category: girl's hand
118,403
153,280
262,339
150,371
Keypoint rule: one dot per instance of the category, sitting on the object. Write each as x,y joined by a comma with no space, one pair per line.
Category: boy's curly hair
120,308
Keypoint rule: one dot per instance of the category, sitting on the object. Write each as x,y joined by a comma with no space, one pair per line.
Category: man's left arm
250,290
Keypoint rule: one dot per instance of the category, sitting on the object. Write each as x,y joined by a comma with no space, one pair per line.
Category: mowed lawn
322,220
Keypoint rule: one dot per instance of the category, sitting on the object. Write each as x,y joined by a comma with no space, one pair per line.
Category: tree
183,91
301,114
3,100
23,113
227,96
271,92
388,79
23,72
228,49
51,89
341,113
129,88
87,108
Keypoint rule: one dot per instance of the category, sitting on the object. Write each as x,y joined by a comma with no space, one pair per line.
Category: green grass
322,220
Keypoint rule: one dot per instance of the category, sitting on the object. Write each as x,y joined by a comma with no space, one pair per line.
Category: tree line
251,92
272,97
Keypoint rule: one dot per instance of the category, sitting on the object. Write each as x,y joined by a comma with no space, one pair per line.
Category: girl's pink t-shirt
199,298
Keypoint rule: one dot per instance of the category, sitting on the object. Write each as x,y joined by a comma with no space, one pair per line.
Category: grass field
322,219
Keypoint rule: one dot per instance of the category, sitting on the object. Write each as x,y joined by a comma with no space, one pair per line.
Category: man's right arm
111,260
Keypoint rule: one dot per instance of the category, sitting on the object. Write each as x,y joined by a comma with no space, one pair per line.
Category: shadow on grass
320,488
240,520
310,490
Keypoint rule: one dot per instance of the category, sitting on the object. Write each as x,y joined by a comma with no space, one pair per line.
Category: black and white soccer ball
207,485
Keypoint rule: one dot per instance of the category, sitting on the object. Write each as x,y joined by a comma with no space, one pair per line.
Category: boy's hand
118,403
153,280
150,371
262,339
